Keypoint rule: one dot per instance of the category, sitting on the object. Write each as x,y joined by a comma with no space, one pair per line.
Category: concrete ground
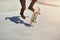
13,27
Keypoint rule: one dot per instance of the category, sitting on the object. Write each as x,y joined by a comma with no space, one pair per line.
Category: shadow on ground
17,20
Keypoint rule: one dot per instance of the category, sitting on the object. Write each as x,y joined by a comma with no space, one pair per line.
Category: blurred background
14,5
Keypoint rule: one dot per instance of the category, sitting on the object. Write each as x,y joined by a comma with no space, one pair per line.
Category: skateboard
34,15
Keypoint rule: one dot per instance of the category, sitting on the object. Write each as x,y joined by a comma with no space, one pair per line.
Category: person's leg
23,4
31,5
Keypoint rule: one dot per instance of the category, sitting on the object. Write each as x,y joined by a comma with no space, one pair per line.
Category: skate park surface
13,27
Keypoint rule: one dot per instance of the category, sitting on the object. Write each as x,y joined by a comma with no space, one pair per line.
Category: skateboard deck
34,15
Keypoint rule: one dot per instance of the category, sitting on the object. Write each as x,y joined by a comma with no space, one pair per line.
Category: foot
30,8
22,13
22,16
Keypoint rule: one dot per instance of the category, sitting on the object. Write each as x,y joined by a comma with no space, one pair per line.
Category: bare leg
23,4
31,5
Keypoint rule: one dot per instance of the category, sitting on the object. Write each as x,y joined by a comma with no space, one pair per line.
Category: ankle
31,8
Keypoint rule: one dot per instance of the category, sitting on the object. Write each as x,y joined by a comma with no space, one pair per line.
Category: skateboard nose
37,9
